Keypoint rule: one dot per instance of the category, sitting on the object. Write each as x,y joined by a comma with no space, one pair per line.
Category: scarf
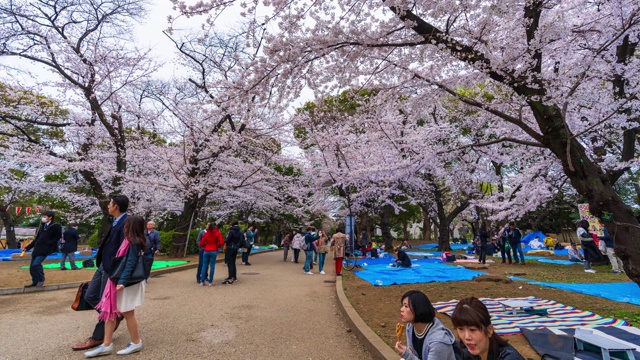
108,306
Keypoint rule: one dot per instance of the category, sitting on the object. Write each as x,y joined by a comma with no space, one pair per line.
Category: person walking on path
286,244
152,237
122,298
70,239
616,264
309,240
250,238
45,244
296,244
201,254
321,246
210,242
514,236
338,244
108,248
233,241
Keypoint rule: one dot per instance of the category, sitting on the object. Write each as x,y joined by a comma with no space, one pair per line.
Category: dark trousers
296,255
483,253
230,259
503,252
286,252
93,297
514,250
245,254
36,270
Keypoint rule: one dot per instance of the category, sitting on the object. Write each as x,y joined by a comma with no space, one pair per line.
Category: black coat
235,238
110,244
47,240
71,238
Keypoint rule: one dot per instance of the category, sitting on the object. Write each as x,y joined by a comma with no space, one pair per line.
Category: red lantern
18,208
37,209
28,209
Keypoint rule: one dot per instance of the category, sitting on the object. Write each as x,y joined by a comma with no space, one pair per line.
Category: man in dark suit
108,248
45,244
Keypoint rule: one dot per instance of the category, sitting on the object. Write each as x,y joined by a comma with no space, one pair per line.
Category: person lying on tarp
536,244
403,259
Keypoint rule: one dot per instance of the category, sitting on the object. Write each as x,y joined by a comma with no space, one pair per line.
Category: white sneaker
308,273
99,351
131,348
322,272
244,263
589,271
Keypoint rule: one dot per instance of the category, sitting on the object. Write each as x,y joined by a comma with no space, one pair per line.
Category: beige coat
338,242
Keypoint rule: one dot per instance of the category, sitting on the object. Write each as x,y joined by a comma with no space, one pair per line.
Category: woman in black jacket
69,246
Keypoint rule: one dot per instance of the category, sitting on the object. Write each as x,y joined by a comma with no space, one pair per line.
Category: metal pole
186,244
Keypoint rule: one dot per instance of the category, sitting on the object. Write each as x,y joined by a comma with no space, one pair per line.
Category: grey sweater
438,343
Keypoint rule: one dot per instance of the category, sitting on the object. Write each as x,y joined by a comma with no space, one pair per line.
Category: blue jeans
36,270
209,260
200,261
516,248
245,254
321,256
307,261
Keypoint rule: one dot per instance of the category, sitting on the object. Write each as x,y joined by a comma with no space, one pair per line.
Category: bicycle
350,261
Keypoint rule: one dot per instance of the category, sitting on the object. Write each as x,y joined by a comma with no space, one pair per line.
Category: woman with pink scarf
119,300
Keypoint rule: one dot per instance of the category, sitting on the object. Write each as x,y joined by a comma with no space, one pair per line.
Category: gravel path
273,312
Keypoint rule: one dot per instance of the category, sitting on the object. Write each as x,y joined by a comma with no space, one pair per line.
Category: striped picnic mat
558,315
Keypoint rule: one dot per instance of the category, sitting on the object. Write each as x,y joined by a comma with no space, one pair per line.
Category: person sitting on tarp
493,247
405,245
403,259
575,254
463,240
549,243
374,249
536,244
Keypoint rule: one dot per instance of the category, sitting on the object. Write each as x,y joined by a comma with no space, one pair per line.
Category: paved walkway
273,312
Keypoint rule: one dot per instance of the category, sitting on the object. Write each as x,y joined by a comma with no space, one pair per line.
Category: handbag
79,303
140,272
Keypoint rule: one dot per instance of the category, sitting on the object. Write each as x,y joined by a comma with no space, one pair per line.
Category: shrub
93,240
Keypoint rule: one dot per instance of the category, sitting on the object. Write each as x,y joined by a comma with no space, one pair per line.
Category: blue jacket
607,238
71,238
309,239
153,241
110,244
251,235
131,261
514,235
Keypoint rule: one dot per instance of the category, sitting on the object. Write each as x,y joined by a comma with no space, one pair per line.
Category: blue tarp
435,246
5,255
422,271
558,262
530,236
627,292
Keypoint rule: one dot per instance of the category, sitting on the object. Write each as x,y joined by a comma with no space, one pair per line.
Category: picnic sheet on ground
627,292
559,342
5,255
435,246
421,271
558,315
157,264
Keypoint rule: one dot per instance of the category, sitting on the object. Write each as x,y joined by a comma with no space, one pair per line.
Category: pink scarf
108,306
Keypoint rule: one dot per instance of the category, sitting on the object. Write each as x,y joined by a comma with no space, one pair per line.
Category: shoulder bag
140,272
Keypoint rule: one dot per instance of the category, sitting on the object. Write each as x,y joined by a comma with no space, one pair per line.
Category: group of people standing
316,246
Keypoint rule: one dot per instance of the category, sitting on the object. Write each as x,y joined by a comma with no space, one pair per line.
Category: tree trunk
443,238
385,226
405,229
180,235
7,220
426,227
594,184
436,233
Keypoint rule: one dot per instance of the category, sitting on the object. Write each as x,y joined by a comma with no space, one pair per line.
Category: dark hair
134,231
472,312
211,226
50,214
340,229
584,224
512,223
122,202
234,223
423,311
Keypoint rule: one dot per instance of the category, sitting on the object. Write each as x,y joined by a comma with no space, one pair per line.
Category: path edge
23,290
369,339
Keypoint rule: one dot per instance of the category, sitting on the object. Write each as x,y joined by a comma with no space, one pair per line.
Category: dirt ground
379,307
11,276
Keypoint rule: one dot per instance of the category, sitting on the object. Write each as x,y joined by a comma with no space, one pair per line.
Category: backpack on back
304,244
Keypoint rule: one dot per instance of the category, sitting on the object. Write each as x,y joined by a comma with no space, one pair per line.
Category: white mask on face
45,220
